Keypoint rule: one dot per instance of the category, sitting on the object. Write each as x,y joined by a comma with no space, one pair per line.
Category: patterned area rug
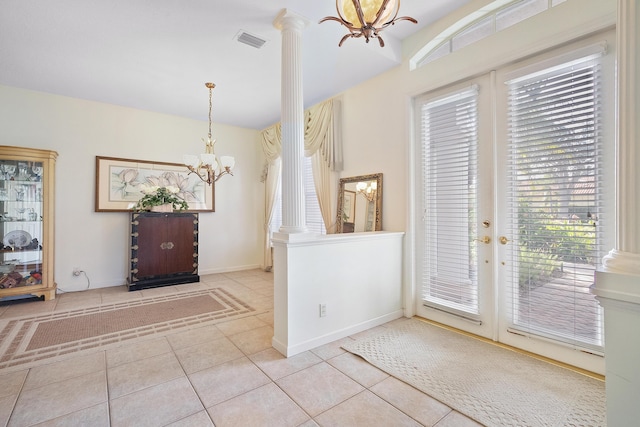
490,384
52,336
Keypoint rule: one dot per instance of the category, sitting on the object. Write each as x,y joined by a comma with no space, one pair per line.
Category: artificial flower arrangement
158,196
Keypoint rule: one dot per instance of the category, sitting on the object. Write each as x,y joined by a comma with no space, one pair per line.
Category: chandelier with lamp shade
207,166
367,18
367,190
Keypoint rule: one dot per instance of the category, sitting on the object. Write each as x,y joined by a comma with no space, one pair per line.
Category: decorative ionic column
292,120
617,284
285,282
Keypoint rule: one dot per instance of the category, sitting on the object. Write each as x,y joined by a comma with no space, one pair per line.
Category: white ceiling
157,54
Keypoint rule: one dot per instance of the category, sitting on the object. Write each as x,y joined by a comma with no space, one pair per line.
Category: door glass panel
449,143
554,203
21,199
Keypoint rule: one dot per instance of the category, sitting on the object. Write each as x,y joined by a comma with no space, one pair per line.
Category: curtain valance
322,132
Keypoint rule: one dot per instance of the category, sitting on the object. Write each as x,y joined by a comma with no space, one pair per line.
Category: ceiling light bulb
372,22
370,9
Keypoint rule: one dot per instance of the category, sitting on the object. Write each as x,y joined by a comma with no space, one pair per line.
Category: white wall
357,276
97,242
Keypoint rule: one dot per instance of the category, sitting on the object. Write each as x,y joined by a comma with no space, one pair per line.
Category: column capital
289,20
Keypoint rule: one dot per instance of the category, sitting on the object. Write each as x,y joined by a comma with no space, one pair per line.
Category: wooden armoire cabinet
163,249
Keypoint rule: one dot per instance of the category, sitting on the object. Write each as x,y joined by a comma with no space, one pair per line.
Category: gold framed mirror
360,204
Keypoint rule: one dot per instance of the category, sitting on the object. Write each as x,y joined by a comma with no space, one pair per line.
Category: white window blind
315,224
448,132
314,221
555,208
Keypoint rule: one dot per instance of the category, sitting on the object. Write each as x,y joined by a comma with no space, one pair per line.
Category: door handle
486,240
503,240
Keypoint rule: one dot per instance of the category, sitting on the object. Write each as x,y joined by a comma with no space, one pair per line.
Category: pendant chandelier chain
210,86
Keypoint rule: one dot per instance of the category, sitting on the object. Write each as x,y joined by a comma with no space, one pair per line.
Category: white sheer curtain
322,183
323,142
272,146
271,187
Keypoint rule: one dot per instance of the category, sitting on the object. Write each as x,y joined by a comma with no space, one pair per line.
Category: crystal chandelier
207,166
366,18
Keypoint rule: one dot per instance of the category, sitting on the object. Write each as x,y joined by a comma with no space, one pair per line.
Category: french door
513,190
455,217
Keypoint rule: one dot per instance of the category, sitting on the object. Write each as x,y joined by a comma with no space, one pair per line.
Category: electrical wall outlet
76,271
323,310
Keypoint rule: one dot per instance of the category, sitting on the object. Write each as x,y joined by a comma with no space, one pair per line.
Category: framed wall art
118,184
349,207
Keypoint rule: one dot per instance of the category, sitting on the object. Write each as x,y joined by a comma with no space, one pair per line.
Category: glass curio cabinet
27,223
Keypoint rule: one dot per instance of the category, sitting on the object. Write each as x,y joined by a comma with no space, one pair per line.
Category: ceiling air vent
251,40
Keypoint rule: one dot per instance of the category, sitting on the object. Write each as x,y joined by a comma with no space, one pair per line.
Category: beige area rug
27,340
490,384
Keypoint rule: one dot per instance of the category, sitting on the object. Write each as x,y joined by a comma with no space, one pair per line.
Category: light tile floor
222,375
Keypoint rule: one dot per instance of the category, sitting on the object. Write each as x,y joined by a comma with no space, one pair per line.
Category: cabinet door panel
179,259
152,234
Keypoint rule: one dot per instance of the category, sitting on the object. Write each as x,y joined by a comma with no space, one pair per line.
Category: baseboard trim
292,350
